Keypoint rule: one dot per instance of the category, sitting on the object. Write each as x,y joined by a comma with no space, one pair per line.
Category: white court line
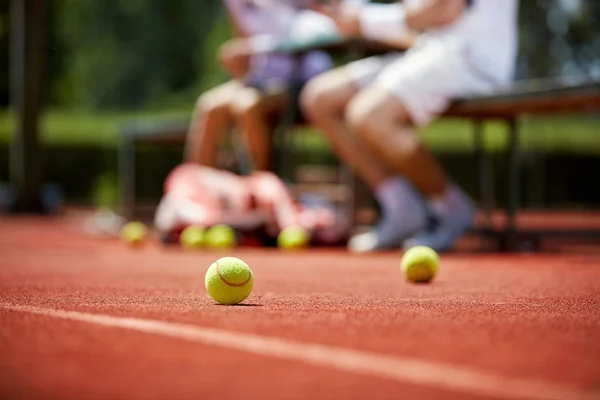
399,369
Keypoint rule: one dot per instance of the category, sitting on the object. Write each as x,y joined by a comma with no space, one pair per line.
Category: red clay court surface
88,318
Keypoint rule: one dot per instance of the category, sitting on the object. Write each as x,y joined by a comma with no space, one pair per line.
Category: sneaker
390,233
453,216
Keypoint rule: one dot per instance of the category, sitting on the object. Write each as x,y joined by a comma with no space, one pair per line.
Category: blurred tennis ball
134,233
420,264
293,238
220,237
192,237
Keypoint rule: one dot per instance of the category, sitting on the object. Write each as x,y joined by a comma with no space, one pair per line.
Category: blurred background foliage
152,54
110,61
126,54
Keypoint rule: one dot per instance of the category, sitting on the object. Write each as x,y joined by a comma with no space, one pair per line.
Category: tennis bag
257,204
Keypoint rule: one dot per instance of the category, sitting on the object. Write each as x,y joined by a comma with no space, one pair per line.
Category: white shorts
426,78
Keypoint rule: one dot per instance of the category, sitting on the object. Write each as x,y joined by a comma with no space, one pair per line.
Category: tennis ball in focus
192,237
420,264
293,237
229,280
220,237
134,233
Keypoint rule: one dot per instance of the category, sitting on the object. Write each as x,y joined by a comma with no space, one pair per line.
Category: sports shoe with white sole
390,233
452,219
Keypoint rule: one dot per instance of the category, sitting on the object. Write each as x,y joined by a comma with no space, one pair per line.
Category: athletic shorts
426,78
283,72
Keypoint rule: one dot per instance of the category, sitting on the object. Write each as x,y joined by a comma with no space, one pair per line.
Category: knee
246,102
317,98
218,100
360,116
379,124
207,103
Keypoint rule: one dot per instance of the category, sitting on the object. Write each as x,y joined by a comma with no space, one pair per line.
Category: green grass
61,127
577,134
565,134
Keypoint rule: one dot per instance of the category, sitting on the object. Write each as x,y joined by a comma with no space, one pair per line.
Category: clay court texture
89,318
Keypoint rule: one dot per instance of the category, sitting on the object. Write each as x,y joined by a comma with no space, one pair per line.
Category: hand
346,18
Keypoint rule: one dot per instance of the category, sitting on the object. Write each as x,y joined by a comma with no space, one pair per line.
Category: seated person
260,78
369,110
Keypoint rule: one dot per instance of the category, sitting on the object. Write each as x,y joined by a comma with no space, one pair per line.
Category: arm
434,14
389,22
233,55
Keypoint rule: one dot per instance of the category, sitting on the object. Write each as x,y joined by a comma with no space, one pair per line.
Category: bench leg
127,178
351,206
241,152
486,179
285,161
514,183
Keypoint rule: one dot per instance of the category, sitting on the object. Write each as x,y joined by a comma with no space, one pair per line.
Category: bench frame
534,97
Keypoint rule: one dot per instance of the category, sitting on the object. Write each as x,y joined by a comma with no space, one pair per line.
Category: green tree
124,53
558,37
4,51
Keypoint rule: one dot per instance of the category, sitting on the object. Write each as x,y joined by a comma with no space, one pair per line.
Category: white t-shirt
490,30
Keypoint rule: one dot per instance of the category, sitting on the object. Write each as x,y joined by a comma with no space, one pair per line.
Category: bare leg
211,117
253,111
384,123
324,101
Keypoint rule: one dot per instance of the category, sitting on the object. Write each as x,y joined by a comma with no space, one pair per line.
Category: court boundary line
431,374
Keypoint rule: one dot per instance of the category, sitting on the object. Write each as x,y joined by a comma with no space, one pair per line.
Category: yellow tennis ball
293,237
192,237
420,264
134,233
229,280
220,237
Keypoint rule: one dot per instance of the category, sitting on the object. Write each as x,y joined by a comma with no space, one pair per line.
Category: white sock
402,215
389,193
399,201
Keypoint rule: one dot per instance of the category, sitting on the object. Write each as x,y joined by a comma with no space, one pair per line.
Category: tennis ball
229,280
220,237
293,237
192,237
420,264
134,233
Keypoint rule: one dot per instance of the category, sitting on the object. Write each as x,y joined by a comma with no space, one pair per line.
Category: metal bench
532,97
135,133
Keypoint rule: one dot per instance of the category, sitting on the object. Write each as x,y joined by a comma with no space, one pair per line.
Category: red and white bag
204,196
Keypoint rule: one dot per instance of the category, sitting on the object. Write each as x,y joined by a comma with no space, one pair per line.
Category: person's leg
412,92
324,102
382,121
385,125
254,111
212,115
